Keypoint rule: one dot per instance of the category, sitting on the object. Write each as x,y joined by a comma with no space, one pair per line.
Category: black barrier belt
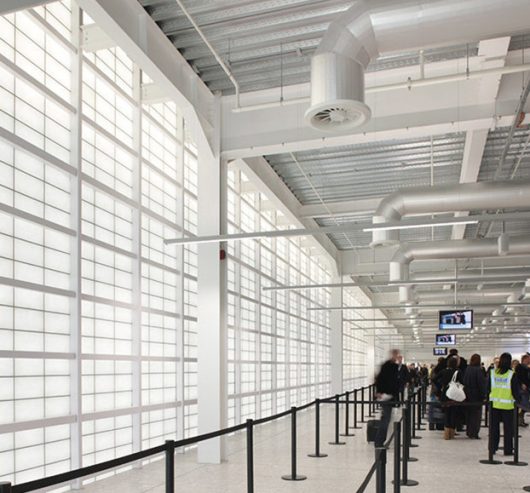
368,478
126,459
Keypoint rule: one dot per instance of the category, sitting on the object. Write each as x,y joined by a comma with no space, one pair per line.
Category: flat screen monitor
445,339
439,351
455,319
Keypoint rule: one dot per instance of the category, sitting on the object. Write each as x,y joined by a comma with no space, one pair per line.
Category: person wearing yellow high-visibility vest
503,394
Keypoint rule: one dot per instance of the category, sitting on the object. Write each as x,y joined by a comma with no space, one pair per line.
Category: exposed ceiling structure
268,45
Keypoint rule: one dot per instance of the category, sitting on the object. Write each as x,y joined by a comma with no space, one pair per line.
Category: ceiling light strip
349,227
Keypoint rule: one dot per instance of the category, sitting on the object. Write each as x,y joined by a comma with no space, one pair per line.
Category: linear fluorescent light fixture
415,226
351,227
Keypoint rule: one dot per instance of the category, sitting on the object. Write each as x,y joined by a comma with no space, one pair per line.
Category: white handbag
455,390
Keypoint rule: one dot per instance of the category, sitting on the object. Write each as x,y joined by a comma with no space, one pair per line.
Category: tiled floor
443,465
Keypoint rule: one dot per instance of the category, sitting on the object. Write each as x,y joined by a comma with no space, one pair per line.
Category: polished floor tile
442,465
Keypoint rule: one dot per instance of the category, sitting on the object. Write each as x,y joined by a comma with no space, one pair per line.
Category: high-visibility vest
501,390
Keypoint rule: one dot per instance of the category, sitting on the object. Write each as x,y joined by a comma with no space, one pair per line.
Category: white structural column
211,337
336,340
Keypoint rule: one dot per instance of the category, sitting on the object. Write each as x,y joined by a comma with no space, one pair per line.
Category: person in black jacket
403,376
450,410
475,387
387,390
523,375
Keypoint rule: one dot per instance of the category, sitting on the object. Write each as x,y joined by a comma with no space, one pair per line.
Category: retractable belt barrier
414,407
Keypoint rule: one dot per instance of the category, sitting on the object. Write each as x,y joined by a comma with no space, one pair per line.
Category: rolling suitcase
371,429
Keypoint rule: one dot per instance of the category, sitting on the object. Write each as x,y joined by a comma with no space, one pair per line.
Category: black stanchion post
413,414
317,431
405,481
337,419
5,487
397,457
293,476
419,427
170,466
516,461
380,472
490,459
250,456
371,406
486,413
409,428
362,405
347,418
355,427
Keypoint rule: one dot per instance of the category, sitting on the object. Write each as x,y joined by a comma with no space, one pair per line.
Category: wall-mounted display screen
439,351
445,339
456,319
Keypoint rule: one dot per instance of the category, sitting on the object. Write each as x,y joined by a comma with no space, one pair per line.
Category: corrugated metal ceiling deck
267,43
371,170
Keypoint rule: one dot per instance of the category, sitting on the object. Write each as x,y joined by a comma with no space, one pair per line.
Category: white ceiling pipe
475,275
447,198
451,249
511,295
371,28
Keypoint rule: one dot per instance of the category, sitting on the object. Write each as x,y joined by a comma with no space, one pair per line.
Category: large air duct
448,198
452,249
371,28
509,294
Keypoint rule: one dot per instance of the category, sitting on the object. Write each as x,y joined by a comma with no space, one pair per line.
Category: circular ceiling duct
337,94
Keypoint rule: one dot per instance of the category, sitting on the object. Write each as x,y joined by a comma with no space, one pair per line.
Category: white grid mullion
180,374
137,265
76,451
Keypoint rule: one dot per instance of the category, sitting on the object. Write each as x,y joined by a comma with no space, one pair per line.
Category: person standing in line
449,408
403,377
523,375
503,393
387,390
476,390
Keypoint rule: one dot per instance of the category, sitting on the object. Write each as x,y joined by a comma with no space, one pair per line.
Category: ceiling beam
348,207
399,114
494,52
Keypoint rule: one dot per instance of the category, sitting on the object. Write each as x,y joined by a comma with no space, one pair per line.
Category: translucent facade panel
278,351
89,292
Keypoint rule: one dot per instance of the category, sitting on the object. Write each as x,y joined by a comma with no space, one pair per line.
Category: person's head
441,359
453,352
496,362
482,364
452,363
515,364
475,360
394,355
525,359
505,362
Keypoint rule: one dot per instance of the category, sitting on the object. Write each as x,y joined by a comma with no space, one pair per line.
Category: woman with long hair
450,410
503,393
476,391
